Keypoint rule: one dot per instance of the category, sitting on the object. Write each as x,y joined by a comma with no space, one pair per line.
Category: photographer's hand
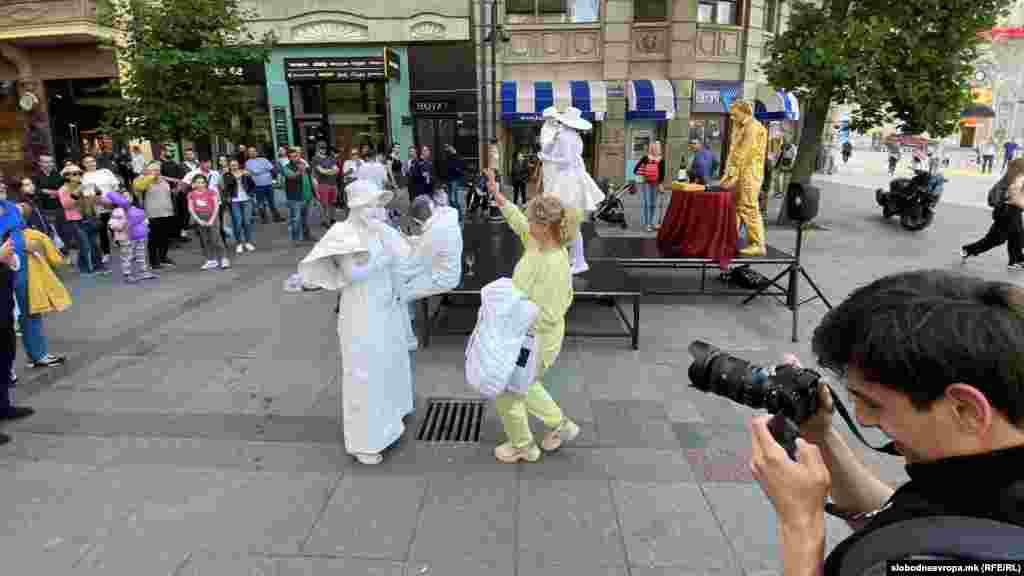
797,491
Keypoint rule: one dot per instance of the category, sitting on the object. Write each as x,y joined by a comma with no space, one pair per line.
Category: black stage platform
497,250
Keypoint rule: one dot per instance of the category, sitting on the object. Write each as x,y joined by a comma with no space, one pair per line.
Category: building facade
340,72
641,70
53,81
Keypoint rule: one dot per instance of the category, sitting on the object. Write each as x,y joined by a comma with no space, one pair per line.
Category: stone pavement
194,431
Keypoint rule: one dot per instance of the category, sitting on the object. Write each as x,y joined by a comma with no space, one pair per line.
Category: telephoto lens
786,390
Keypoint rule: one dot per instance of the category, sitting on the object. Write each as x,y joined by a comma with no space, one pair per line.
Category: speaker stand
795,271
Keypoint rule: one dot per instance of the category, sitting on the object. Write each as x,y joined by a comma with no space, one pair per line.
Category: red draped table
699,224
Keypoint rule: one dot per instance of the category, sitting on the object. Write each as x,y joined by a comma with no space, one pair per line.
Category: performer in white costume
361,257
565,174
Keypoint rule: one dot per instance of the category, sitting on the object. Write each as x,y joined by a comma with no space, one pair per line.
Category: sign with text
433,106
714,96
335,69
281,125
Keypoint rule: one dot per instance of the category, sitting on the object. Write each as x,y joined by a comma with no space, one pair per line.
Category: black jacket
231,185
661,168
983,486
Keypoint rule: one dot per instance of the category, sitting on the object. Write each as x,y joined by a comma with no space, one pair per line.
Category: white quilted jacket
504,319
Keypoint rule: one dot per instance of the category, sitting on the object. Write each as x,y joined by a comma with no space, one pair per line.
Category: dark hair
918,332
199,177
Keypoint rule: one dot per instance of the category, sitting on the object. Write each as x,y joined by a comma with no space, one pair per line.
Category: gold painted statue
744,173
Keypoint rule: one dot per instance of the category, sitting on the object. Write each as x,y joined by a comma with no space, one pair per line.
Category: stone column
682,71
618,18
752,52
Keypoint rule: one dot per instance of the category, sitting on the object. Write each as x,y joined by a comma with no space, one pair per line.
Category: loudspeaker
802,201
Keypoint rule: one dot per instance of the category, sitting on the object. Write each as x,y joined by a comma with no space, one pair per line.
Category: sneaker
1015,266
239,249
225,263
104,272
4,439
17,413
46,361
369,459
964,255
250,247
509,454
567,431
210,265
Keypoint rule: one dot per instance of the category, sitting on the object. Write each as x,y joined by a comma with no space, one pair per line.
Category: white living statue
360,257
565,174
435,265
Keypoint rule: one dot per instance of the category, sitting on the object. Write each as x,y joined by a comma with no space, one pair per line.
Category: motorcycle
913,199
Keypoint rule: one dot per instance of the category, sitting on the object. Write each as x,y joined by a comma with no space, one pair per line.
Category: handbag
525,371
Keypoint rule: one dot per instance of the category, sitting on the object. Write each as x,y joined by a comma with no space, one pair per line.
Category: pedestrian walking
543,275
203,205
1007,201
988,155
129,227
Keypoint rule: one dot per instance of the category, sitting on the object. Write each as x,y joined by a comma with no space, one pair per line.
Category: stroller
611,209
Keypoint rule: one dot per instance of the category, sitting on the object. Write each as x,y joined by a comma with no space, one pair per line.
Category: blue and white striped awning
650,100
527,100
781,106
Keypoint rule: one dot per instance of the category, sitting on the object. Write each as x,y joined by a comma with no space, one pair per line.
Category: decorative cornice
329,31
51,30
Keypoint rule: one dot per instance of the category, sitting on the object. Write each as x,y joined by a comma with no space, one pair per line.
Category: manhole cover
451,420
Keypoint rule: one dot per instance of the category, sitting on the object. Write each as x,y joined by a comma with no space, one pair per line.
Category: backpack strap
953,537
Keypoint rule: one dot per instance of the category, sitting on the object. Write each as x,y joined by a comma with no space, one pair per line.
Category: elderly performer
360,257
565,174
744,172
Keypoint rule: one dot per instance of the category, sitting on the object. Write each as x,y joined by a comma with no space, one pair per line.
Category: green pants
514,409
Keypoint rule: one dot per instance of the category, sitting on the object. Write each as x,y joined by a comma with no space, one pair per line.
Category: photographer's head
933,359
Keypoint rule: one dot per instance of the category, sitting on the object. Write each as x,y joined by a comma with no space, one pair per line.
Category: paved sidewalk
195,431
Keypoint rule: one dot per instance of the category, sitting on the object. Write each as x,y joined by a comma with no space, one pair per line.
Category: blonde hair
549,211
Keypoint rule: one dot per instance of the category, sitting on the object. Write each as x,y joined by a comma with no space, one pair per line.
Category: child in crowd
131,230
542,274
204,206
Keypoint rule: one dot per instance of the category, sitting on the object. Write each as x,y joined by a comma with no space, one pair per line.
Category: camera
784,390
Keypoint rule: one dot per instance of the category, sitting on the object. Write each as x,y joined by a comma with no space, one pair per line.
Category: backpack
998,194
939,537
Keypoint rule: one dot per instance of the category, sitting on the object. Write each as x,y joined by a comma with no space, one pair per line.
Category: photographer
934,360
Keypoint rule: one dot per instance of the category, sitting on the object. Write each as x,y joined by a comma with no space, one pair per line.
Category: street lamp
495,31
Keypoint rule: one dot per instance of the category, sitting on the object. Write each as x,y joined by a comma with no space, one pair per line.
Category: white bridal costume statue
361,257
565,174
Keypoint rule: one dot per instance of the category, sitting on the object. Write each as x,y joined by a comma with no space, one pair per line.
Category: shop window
650,10
717,12
771,15
578,11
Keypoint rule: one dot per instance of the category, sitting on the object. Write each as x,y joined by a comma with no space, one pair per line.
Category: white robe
565,174
435,265
373,330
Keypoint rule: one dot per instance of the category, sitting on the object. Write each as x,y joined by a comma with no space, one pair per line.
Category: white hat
550,112
366,193
573,118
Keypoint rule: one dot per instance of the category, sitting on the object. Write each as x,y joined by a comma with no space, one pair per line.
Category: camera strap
838,404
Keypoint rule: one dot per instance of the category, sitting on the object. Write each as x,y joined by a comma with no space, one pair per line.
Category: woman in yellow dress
543,275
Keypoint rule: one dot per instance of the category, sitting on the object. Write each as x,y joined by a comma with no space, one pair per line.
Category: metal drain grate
452,420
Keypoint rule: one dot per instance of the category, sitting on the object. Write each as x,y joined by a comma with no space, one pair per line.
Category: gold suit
744,173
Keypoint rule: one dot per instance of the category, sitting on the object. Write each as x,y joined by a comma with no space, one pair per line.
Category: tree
907,62
180,66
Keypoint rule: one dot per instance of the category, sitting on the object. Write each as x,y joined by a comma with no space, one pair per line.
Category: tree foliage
181,64
907,62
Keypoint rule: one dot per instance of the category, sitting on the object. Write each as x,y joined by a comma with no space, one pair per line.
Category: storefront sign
281,125
715,97
336,69
393,64
433,106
